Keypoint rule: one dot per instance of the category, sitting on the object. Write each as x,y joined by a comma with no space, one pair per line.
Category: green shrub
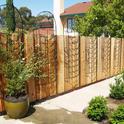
117,116
97,110
117,89
18,71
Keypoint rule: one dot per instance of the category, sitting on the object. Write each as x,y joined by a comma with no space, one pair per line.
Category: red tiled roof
78,8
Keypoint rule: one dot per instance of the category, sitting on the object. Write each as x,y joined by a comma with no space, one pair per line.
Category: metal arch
53,18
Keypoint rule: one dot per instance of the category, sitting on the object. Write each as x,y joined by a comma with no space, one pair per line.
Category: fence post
60,64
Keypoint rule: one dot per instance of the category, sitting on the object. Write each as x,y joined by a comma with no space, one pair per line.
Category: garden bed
112,105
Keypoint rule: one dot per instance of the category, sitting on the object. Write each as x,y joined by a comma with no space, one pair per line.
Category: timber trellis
73,62
90,59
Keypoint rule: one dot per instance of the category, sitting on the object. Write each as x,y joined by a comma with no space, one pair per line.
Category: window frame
70,30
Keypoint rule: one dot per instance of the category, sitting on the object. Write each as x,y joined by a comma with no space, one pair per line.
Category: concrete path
65,109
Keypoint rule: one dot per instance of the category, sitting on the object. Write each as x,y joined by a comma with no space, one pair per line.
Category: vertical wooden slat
115,56
82,61
1,93
1,79
28,43
122,56
103,58
99,59
112,56
1,106
91,59
53,66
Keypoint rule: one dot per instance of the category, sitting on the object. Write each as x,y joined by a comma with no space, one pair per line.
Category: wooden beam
60,61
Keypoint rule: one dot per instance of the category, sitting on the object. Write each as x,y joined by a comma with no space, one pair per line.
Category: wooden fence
90,59
73,62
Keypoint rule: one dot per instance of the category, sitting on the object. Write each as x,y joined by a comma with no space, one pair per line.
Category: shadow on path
39,115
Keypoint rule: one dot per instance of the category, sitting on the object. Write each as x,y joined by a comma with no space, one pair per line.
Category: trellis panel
82,61
91,60
71,44
103,58
116,46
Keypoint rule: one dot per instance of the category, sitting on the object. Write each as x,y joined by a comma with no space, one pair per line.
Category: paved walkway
65,109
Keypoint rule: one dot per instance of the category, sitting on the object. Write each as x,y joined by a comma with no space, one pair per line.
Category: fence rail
73,62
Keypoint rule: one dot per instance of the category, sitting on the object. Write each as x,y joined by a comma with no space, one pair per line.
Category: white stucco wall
58,8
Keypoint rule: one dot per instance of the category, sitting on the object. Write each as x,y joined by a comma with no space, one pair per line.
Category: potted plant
16,73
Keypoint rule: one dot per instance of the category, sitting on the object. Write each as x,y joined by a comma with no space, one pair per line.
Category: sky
38,6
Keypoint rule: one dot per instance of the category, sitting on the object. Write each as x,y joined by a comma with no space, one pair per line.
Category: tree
27,17
116,26
25,13
22,17
105,17
10,16
2,17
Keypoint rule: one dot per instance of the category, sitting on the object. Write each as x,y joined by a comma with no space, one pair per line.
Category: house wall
58,8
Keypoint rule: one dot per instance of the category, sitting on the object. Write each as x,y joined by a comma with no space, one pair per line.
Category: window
70,24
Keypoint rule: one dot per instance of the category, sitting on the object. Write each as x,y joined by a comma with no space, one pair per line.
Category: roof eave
79,14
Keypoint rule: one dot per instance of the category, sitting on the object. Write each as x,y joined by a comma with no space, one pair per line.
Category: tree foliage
25,13
117,89
10,16
27,17
105,17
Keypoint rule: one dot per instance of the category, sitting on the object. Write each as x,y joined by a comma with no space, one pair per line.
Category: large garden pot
16,108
